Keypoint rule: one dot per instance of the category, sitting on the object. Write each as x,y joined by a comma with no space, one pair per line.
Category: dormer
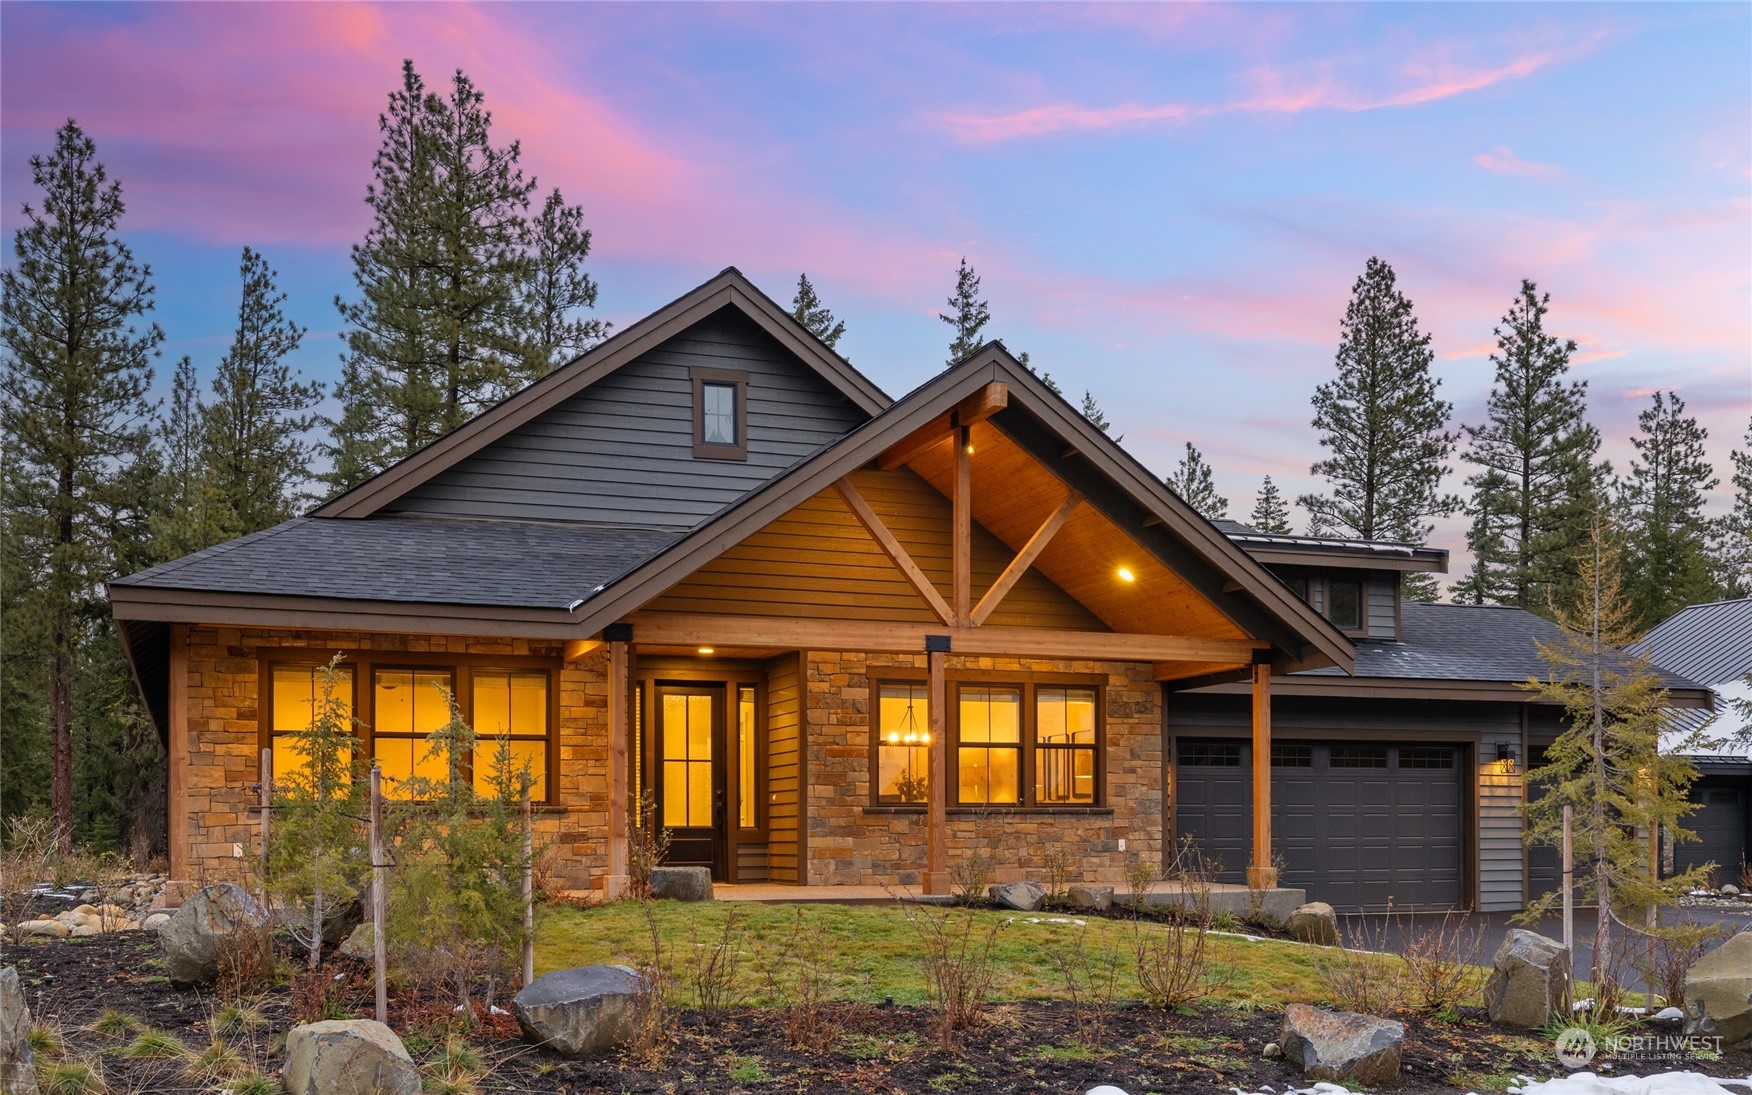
1356,584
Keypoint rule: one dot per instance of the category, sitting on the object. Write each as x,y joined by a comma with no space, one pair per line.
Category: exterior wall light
1505,755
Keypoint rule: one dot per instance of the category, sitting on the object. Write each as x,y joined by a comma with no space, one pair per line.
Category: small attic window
720,413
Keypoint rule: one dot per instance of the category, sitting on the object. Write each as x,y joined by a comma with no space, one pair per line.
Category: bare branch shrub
1174,961
714,967
1055,866
647,848
1091,979
958,965
1358,975
1140,874
969,877
649,1045
800,982
1441,970
1672,950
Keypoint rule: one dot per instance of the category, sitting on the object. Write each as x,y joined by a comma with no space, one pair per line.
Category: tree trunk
61,739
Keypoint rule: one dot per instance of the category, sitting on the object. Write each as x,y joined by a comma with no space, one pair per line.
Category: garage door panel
1357,825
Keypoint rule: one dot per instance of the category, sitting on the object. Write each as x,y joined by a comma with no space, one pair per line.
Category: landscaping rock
1718,993
215,923
157,920
1730,890
45,929
336,926
1339,1046
590,1009
1021,896
682,883
1529,980
347,1057
17,1062
1091,898
1314,922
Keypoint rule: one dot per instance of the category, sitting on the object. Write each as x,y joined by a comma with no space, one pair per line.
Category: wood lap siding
1499,833
621,451
782,858
817,561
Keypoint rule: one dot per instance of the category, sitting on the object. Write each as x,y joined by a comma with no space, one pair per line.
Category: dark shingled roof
419,560
1464,643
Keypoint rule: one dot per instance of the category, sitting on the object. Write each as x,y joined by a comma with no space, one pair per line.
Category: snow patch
1666,1083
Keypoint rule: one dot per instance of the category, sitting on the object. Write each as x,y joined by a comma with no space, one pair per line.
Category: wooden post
937,792
379,879
267,785
528,892
619,709
1569,882
1261,875
962,533
177,777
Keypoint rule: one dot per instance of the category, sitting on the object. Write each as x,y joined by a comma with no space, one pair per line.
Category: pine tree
1383,424
1536,485
1045,377
1271,513
808,310
1093,412
1733,533
1667,560
255,446
558,290
441,329
1608,764
74,378
183,510
968,314
1193,483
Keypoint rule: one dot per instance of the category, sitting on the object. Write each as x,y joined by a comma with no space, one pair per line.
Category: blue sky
1168,203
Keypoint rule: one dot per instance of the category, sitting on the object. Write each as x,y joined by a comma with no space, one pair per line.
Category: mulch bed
1021,1048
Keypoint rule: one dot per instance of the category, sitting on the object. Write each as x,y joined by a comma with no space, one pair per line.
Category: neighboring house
1712,644
838,638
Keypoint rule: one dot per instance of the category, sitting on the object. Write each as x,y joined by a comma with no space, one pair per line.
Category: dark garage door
1357,825
1720,824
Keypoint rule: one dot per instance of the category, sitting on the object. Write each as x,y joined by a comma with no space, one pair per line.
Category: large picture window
990,746
1064,746
297,690
407,706
903,754
513,705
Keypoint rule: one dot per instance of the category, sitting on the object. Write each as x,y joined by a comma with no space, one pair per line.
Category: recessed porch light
705,650
1125,575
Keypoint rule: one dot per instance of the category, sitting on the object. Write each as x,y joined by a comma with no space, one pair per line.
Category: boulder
1339,1046
347,1057
1091,898
336,925
590,1009
1314,922
157,920
1529,980
1021,896
17,1062
172,896
359,944
1718,993
46,929
214,924
682,883
1730,890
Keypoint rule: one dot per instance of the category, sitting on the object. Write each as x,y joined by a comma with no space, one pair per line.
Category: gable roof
1710,643
729,289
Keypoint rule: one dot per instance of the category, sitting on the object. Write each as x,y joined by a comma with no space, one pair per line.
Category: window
1426,756
1359,756
1298,586
747,752
687,759
513,705
297,689
1292,756
989,757
1064,746
407,706
903,739
1210,754
1344,604
720,413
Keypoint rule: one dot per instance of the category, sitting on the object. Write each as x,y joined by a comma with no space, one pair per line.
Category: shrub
1441,970
650,1041
1054,865
647,848
958,965
1668,952
970,877
714,967
1356,975
1091,980
801,983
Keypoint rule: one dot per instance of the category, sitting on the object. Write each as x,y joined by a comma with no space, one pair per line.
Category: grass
156,1044
253,1083
746,1069
236,1018
116,1024
70,1078
873,952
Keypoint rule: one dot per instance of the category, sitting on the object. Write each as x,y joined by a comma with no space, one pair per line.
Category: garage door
1357,825
1720,824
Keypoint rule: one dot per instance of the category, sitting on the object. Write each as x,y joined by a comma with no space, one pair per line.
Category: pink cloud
1426,78
1503,161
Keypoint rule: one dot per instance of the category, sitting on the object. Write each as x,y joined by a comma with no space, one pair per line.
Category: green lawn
874,951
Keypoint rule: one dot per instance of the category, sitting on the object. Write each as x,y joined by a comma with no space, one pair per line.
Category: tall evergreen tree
441,328
1192,481
1535,488
814,315
1733,540
1271,513
1667,560
255,443
74,378
1383,424
183,518
558,291
1045,377
967,316
1096,416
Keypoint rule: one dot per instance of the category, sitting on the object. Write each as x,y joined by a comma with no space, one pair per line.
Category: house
1712,644
837,638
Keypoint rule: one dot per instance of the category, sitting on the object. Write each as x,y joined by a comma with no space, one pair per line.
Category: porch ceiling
1013,495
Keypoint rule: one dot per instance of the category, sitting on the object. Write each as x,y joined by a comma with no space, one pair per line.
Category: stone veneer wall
224,747
851,844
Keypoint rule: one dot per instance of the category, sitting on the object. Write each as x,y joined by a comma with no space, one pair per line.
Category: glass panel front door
690,789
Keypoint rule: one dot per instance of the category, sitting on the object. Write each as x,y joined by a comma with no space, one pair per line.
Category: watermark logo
1575,1048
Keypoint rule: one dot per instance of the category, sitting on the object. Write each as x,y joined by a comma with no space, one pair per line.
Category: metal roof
415,559
1254,539
1710,643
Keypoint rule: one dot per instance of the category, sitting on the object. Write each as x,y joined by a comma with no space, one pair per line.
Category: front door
690,774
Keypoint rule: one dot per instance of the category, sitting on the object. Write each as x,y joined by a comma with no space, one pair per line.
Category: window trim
699,376
1026,683
1361,627
364,664
876,685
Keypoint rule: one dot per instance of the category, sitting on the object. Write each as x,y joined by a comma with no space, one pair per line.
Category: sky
1168,204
